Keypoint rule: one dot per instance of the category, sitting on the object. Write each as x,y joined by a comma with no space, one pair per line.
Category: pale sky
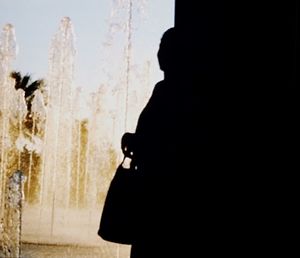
36,22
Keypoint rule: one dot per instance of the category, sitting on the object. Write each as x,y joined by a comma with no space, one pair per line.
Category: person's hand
127,144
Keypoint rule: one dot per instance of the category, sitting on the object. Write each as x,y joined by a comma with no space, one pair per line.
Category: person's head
167,51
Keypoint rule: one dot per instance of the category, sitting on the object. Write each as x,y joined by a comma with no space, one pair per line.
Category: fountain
9,117
12,220
68,159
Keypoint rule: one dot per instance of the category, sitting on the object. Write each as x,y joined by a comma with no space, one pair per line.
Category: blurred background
97,60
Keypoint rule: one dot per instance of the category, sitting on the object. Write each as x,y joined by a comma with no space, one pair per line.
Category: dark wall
254,39
253,49
200,24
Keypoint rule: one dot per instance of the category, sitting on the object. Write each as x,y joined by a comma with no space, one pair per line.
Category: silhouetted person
29,89
162,149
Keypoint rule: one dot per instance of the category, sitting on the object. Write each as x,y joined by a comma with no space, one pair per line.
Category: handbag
119,221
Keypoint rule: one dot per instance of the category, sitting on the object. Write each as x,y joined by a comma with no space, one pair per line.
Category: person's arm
139,141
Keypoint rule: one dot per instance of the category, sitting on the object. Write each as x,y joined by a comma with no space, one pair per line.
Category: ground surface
68,251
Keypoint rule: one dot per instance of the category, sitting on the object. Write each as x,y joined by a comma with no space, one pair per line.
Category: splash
8,107
12,219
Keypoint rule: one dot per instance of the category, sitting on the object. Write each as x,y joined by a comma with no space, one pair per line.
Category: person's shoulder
159,88
159,85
